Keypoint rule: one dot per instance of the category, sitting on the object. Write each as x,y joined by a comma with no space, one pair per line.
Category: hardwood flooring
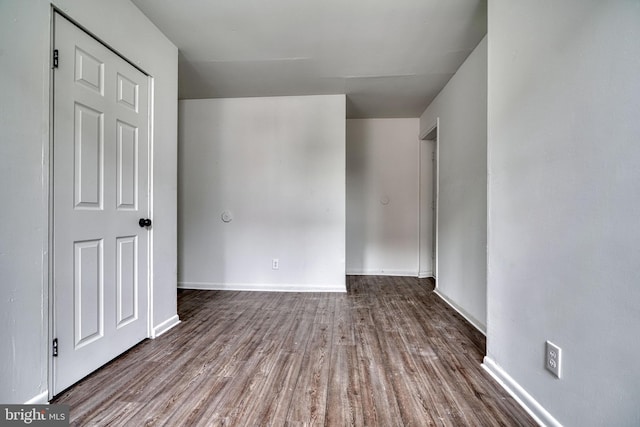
387,353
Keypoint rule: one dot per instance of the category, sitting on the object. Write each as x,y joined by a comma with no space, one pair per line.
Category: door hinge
55,58
55,347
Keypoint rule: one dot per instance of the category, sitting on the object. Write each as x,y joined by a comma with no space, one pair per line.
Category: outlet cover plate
553,359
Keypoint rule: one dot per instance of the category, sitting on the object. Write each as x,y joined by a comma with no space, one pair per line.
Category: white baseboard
41,399
524,399
425,274
404,273
165,326
469,318
261,287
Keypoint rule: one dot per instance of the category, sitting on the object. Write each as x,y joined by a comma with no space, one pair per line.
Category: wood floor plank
343,393
378,399
310,391
388,353
246,405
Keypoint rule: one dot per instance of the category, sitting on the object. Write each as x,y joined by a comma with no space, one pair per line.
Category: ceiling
391,57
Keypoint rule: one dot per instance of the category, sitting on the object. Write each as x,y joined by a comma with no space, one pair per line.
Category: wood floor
387,353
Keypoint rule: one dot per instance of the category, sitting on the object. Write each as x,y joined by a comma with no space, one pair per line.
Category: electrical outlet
553,358
275,264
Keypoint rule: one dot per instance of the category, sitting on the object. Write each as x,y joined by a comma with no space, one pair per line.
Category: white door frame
49,166
431,134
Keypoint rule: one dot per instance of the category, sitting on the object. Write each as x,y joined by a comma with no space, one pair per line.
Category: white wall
382,196
24,154
462,220
278,166
564,204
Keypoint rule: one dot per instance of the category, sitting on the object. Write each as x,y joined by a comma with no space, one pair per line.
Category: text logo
34,415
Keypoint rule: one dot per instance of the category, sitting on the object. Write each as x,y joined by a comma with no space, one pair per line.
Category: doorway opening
428,211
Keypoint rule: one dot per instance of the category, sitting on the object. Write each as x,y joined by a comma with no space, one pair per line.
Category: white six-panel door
100,191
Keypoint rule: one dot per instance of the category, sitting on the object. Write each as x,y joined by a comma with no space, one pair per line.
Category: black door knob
144,222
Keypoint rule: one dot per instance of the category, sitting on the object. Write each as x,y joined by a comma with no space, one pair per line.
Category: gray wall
278,166
564,204
382,196
462,199
24,155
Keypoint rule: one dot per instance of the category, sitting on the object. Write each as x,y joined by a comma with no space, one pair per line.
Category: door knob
144,222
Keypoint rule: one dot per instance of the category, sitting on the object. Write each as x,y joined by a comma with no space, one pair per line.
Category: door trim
48,190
